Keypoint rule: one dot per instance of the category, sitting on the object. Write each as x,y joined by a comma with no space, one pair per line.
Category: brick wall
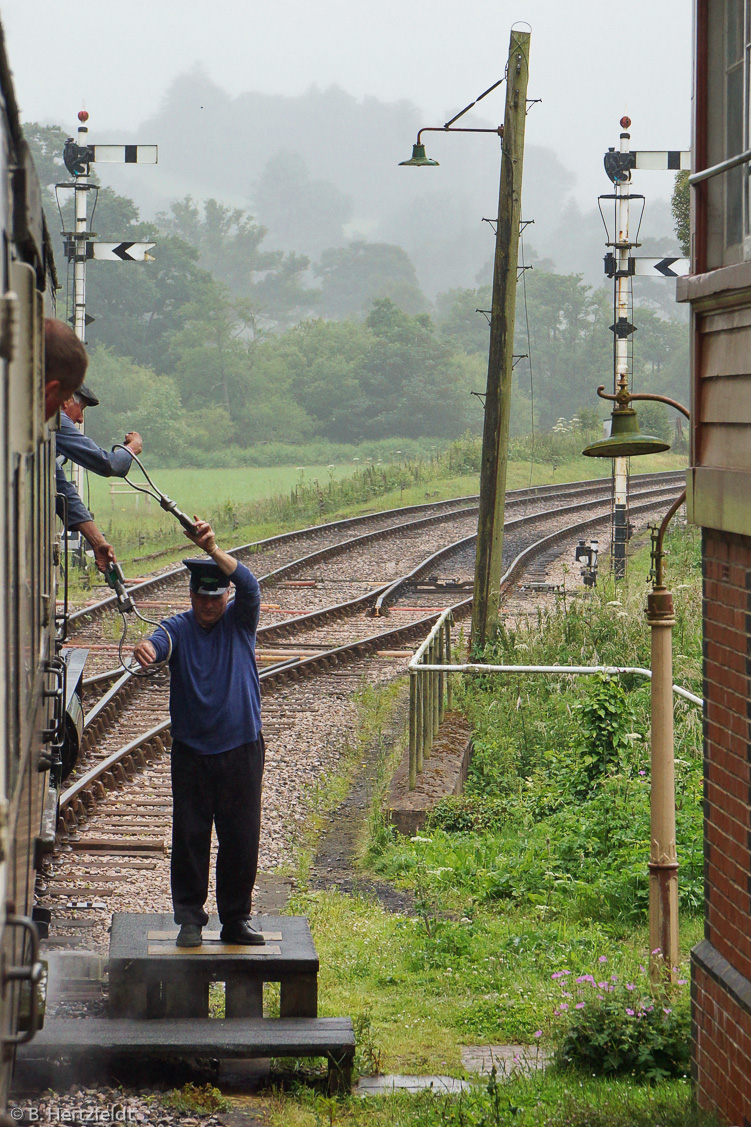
721,965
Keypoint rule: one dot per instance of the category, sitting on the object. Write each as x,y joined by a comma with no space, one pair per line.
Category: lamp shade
626,440
418,159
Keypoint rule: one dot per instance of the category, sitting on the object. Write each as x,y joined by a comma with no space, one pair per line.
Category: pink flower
682,981
564,1006
538,1033
630,1013
666,1011
630,986
580,1005
586,978
602,985
602,959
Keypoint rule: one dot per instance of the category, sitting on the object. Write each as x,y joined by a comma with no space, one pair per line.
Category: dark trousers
222,790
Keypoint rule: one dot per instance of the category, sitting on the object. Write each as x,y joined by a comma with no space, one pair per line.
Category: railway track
114,813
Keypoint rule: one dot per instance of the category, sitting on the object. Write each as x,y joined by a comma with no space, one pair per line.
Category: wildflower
557,974
580,1005
602,959
630,1013
630,986
603,985
642,772
682,981
586,978
538,1033
667,1010
657,951
564,1006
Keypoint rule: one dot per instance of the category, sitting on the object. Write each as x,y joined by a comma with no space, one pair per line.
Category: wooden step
88,1038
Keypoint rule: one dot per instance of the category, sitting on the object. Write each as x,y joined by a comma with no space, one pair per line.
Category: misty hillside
321,169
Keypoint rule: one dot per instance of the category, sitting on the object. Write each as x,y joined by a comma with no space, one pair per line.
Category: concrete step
89,1038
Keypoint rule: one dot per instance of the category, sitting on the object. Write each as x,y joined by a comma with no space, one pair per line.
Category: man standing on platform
217,745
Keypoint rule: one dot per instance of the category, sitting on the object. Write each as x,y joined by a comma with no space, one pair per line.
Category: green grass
475,964
542,1100
246,504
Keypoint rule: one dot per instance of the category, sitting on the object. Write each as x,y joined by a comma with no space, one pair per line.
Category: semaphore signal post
80,244
622,266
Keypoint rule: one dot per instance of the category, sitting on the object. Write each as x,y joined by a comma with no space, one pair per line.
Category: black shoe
189,936
241,932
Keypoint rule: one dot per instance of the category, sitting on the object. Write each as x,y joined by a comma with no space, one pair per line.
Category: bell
626,440
418,159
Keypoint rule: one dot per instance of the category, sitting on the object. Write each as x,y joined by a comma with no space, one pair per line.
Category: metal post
622,304
418,723
434,692
663,858
500,354
449,687
412,730
441,677
80,234
427,723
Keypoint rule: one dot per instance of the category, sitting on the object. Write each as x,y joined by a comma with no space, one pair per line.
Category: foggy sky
591,61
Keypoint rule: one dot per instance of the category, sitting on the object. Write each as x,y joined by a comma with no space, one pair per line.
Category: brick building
719,500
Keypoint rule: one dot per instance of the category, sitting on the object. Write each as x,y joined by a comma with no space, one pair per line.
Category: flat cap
86,395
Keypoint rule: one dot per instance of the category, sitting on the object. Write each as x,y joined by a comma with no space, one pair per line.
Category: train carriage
33,682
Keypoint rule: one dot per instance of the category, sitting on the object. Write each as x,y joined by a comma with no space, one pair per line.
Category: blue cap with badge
206,577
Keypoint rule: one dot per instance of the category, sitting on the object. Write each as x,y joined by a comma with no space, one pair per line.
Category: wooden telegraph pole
501,352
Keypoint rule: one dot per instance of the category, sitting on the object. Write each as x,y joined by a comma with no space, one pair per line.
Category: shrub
622,1028
194,1100
466,813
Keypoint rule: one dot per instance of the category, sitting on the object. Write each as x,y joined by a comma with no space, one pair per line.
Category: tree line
225,343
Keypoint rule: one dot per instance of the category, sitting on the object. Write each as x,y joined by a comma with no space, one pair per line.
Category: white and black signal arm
620,165
77,158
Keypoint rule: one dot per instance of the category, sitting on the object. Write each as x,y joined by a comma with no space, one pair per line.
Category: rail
430,690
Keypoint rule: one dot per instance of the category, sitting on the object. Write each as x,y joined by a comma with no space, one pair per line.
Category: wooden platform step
223,1038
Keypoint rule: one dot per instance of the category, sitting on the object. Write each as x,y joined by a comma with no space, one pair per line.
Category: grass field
245,504
199,491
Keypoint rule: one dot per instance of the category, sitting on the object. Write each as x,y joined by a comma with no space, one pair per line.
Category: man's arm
204,538
104,553
77,518
154,648
248,597
82,450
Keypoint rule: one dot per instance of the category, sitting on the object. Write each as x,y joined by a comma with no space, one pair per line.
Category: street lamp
626,441
488,568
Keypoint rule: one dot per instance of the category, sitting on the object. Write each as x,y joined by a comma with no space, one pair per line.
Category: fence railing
429,693
430,688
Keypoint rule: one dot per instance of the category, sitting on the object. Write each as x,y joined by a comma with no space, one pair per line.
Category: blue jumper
215,696
72,445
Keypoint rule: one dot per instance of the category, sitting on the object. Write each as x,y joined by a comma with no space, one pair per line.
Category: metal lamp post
625,441
488,567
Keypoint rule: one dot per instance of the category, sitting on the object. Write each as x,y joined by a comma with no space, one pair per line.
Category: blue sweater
215,697
73,446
